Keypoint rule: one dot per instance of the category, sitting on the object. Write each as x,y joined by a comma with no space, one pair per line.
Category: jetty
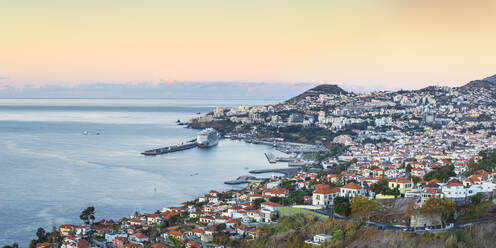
285,171
244,179
174,148
249,179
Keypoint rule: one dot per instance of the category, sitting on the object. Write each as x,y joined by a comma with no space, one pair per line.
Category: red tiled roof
325,189
454,183
352,185
401,180
272,204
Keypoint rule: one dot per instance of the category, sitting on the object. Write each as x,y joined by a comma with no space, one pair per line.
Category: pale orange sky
388,43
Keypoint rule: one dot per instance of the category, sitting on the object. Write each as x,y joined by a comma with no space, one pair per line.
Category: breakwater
174,148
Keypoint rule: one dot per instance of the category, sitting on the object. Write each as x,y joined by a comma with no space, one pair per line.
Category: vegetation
382,187
441,173
487,163
291,231
476,209
88,215
415,179
361,207
342,206
14,245
437,205
290,211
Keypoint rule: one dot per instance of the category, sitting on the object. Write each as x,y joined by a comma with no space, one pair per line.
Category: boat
207,138
86,132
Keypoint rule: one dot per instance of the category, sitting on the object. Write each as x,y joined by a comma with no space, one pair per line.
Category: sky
353,43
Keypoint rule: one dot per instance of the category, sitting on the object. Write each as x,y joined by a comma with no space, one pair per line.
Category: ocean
50,171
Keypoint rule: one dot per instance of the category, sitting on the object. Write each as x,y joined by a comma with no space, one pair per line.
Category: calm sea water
50,171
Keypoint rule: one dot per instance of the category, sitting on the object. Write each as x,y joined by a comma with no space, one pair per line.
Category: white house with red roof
351,190
323,195
276,191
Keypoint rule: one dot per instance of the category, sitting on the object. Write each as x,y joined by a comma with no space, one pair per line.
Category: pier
174,148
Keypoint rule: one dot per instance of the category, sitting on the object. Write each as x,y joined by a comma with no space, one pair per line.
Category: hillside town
408,146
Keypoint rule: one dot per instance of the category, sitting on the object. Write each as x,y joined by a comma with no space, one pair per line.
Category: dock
174,148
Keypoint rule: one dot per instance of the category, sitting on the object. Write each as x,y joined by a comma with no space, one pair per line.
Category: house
197,232
65,229
253,197
402,184
140,237
136,222
323,195
272,206
152,219
418,172
173,233
44,245
158,245
111,237
319,239
82,230
430,190
351,190
276,191
206,219
119,241
193,244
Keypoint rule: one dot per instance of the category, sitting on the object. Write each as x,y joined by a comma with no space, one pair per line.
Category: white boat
207,137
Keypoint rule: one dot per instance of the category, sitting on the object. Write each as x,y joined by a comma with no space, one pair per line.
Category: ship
207,137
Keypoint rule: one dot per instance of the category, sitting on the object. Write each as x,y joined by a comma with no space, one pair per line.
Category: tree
476,199
415,179
14,245
275,199
220,227
41,234
382,187
442,173
88,214
32,244
342,206
360,206
177,243
437,205
258,201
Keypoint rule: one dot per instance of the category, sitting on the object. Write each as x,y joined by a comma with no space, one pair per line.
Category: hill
491,79
331,89
478,84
